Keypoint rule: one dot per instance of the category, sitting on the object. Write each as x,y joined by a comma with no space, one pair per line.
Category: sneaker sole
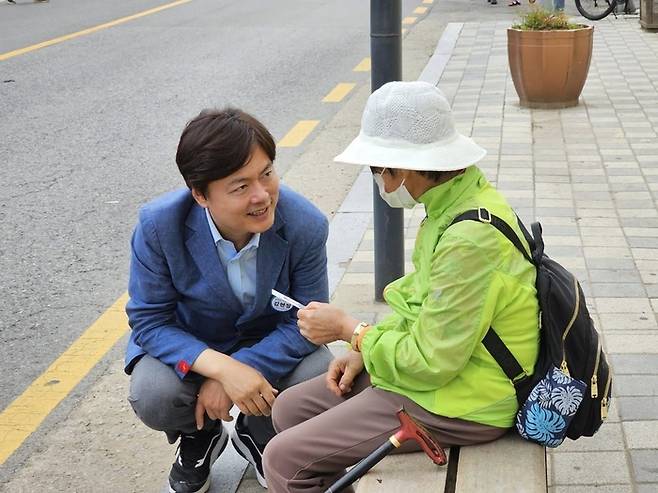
244,452
217,451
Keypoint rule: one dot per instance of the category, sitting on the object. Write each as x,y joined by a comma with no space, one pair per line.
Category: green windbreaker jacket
466,279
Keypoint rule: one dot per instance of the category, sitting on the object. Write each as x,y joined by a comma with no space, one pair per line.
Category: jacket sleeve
152,303
427,352
279,352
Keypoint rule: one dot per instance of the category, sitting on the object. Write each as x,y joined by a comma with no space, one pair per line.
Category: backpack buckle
483,215
520,378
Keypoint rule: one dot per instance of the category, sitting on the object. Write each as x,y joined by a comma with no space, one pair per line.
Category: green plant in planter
540,19
549,58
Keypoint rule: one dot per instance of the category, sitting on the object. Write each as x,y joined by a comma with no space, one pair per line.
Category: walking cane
409,429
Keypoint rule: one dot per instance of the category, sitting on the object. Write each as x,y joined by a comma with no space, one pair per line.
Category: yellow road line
408,20
84,32
404,30
363,66
338,93
420,10
298,133
25,414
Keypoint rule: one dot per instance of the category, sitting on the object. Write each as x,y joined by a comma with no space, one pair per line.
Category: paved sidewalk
590,175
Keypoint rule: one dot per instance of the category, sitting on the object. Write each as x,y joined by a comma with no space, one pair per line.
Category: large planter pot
549,68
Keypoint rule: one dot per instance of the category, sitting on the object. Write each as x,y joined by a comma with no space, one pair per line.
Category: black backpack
568,339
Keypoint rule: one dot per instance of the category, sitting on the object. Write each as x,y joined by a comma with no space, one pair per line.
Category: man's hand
342,372
250,391
246,387
321,323
213,401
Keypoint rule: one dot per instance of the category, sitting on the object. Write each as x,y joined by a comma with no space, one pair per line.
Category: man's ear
199,197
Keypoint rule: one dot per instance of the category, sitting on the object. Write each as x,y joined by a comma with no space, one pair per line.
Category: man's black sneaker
248,448
190,472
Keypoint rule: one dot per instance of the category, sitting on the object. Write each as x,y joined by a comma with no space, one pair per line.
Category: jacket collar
439,199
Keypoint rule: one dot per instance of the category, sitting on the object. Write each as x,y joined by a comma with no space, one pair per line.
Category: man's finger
242,406
199,412
268,395
264,408
224,414
253,408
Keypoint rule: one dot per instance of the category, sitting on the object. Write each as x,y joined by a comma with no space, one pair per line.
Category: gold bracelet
362,334
355,336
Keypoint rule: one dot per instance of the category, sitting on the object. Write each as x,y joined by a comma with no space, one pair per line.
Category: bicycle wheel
595,10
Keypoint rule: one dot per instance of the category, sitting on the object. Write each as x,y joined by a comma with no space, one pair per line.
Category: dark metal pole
386,60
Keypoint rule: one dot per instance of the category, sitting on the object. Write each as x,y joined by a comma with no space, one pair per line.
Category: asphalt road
89,128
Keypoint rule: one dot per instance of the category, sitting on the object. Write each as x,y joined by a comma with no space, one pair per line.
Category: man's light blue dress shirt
240,266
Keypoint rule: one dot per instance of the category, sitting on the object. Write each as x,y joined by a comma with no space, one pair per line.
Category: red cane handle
413,430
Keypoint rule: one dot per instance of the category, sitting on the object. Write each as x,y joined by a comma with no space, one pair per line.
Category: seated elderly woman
427,356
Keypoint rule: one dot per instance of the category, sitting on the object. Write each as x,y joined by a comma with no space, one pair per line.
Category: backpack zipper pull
604,408
564,368
595,387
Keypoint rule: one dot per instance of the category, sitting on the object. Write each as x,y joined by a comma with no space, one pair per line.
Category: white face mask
398,198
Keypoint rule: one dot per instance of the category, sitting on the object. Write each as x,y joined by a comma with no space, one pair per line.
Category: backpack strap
492,341
504,357
482,215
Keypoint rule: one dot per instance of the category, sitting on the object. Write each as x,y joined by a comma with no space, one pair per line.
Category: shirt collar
217,237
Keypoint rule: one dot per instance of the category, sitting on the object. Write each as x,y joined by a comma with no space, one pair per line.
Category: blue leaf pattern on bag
543,424
566,400
542,393
554,443
545,416
560,377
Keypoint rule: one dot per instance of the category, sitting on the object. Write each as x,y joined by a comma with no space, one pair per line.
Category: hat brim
458,153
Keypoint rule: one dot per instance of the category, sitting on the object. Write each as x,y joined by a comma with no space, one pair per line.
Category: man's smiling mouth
258,212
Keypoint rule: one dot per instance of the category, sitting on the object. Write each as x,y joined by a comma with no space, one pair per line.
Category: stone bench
508,465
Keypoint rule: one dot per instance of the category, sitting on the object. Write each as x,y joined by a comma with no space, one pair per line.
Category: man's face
243,203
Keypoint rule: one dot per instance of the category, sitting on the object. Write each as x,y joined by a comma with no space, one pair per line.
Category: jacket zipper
604,401
563,366
594,386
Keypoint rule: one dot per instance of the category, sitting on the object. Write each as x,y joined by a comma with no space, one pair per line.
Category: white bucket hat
408,125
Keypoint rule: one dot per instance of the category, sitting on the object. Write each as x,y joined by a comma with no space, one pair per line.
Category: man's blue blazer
181,302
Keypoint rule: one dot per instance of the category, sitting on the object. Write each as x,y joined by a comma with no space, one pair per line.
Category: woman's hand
213,401
342,372
321,323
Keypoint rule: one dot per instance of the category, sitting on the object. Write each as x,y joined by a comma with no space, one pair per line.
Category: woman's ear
406,173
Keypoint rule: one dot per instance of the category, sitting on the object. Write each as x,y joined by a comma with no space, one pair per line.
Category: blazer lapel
204,252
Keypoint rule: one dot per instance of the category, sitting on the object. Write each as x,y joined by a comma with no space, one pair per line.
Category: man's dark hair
217,143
